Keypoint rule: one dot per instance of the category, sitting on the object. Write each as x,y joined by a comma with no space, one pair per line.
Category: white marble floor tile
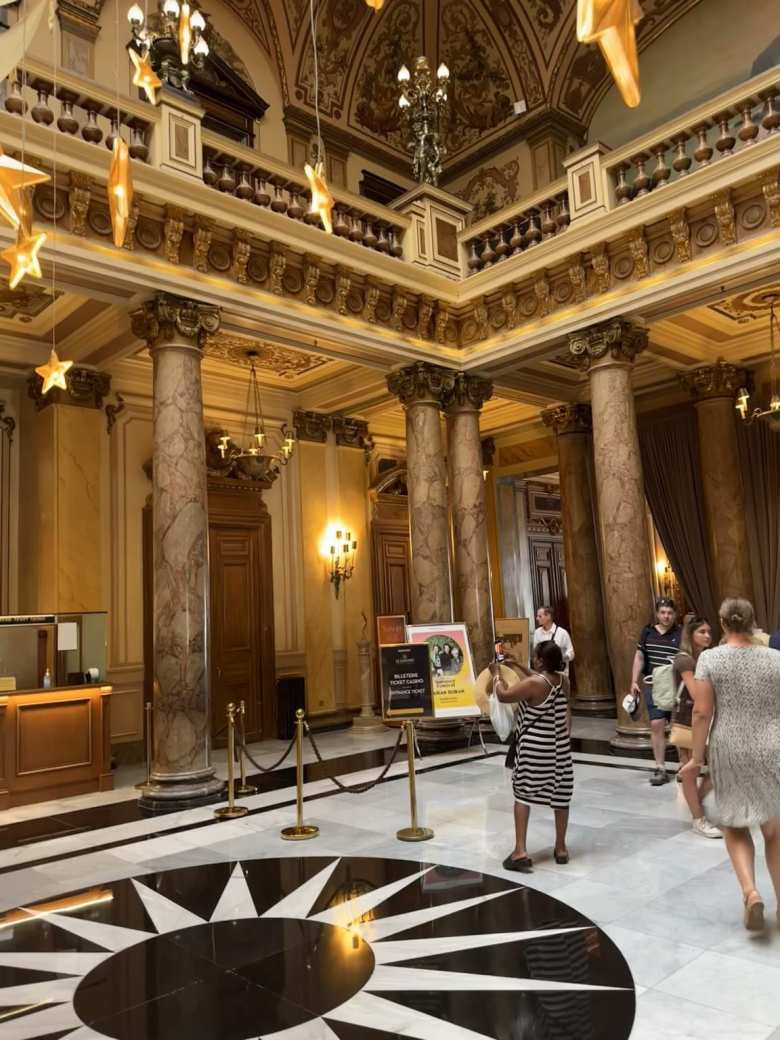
739,987
650,959
661,1016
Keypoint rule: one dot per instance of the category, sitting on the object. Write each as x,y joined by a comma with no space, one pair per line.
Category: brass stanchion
148,711
243,787
301,831
231,810
415,832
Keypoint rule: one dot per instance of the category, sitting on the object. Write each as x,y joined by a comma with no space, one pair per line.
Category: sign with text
406,682
391,629
452,671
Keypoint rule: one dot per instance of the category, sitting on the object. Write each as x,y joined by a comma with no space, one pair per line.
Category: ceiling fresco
499,51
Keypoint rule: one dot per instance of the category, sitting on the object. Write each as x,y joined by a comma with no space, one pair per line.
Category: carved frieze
79,197
618,340
201,243
770,189
398,310
240,256
637,244
568,418
343,286
441,321
277,267
599,259
312,426
311,279
164,317
467,393
719,380
542,293
424,315
511,314
724,214
480,316
421,383
371,301
86,388
681,235
173,231
577,279
350,433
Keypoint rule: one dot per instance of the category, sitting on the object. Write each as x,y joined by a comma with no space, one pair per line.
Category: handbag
681,736
502,716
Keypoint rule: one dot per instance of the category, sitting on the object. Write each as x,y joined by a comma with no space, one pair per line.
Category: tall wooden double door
548,576
241,618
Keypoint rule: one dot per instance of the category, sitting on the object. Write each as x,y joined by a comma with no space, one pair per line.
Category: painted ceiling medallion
284,363
611,24
53,372
298,948
14,178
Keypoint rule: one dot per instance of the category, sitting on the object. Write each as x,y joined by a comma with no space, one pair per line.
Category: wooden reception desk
54,743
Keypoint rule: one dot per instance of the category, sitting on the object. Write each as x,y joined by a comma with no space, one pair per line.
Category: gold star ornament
185,33
53,372
14,178
610,24
377,5
322,201
144,75
23,256
120,190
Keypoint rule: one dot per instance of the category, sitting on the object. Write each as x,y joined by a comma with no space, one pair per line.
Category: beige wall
709,49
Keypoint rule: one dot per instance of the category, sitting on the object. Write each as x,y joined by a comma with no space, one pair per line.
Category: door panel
391,569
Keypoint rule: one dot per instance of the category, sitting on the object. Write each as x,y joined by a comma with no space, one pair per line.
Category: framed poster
406,682
390,629
452,670
515,634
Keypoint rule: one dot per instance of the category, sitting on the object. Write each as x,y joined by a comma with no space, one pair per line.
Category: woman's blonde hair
737,616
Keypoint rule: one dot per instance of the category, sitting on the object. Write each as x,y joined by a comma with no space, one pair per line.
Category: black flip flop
523,866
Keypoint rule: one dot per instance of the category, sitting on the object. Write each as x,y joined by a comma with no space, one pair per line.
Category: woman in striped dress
543,773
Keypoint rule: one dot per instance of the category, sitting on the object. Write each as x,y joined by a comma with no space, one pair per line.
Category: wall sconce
342,559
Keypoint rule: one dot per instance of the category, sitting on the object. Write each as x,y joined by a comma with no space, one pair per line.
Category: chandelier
255,438
743,397
423,103
173,46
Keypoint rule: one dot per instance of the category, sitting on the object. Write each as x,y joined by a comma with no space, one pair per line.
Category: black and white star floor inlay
310,949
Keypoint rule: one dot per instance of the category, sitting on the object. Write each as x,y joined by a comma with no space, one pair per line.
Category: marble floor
183,926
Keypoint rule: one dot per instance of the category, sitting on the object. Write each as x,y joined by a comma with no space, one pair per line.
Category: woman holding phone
543,773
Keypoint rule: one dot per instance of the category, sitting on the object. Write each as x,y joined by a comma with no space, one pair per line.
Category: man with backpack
658,645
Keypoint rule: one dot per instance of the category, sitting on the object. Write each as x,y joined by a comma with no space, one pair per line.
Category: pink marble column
421,388
467,505
714,390
572,426
181,773
607,351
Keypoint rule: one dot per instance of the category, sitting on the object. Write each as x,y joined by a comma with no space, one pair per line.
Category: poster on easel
406,682
452,669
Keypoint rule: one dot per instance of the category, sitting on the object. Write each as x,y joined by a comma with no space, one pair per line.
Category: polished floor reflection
309,949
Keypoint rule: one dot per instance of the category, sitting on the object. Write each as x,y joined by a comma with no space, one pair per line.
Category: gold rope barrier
243,787
231,810
301,831
415,832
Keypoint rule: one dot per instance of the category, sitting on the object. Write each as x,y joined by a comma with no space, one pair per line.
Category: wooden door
548,577
235,626
391,569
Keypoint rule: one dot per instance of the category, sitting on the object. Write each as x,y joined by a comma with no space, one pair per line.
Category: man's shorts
654,713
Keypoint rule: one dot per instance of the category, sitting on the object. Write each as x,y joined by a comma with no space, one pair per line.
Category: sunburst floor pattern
310,949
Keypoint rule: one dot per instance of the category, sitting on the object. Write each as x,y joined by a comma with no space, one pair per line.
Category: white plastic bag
502,716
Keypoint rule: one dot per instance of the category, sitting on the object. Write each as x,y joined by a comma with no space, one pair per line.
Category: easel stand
415,832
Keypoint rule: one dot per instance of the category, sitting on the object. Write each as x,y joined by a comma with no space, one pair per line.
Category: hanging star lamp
120,190
377,5
22,257
15,176
53,372
185,33
611,24
322,201
144,75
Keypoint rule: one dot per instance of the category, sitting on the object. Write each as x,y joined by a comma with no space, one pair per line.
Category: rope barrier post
231,810
415,832
243,787
148,711
301,831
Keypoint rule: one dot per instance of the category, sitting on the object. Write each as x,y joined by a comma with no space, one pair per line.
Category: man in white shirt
548,629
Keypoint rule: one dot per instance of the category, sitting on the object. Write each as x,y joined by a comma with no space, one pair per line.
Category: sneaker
659,777
705,828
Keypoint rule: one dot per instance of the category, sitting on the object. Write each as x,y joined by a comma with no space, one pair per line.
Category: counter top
78,687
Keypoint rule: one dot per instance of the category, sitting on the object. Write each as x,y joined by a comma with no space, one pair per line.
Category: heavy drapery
759,453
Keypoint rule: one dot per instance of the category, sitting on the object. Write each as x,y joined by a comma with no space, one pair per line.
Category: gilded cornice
617,340
165,317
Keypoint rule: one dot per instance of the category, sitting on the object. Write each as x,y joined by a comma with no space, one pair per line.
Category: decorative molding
681,235
240,256
724,213
618,340
568,418
398,310
7,424
87,387
712,381
311,280
173,231
113,411
312,426
79,198
202,235
637,245
424,315
577,279
468,393
281,361
161,319
542,293
351,433
599,258
770,188
343,286
511,313
278,265
480,317
421,383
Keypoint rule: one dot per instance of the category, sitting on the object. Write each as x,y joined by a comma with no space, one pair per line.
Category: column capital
468,393
568,418
165,317
616,340
719,380
421,383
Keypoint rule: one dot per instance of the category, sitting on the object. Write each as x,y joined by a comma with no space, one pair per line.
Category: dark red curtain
759,452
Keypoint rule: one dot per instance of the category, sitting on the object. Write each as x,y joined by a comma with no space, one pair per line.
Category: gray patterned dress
744,748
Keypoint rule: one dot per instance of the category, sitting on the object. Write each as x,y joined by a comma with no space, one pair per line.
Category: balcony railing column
432,240
589,189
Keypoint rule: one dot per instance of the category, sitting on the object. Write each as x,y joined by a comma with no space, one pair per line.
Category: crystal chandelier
743,397
423,103
255,437
175,45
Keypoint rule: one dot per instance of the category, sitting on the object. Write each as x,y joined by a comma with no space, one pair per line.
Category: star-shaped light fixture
377,5
610,23
53,372
322,201
185,34
144,75
14,177
120,190
22,257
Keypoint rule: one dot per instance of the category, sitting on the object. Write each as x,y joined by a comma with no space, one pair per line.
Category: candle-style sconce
342,559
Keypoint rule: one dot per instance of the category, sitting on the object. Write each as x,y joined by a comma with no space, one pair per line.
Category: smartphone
499,651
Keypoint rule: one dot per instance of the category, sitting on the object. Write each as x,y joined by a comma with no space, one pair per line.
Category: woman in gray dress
738,694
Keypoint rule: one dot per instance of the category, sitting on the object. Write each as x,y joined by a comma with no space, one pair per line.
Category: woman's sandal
523,866
754,912
562,858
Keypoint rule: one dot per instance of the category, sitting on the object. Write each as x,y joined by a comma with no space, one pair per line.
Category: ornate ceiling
498,51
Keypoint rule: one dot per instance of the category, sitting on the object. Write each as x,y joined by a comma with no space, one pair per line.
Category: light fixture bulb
135,15
443,72
197,21
403,101
201,47
403,74
774,404
171,8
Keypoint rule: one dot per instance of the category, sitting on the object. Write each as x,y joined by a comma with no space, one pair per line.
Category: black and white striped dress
543,772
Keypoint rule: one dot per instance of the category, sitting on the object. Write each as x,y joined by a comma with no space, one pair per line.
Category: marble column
467,504
607,352
181,772
572,426
714,390
422,388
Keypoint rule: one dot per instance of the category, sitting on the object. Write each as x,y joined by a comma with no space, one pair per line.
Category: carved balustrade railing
261,181
518,228
712,133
